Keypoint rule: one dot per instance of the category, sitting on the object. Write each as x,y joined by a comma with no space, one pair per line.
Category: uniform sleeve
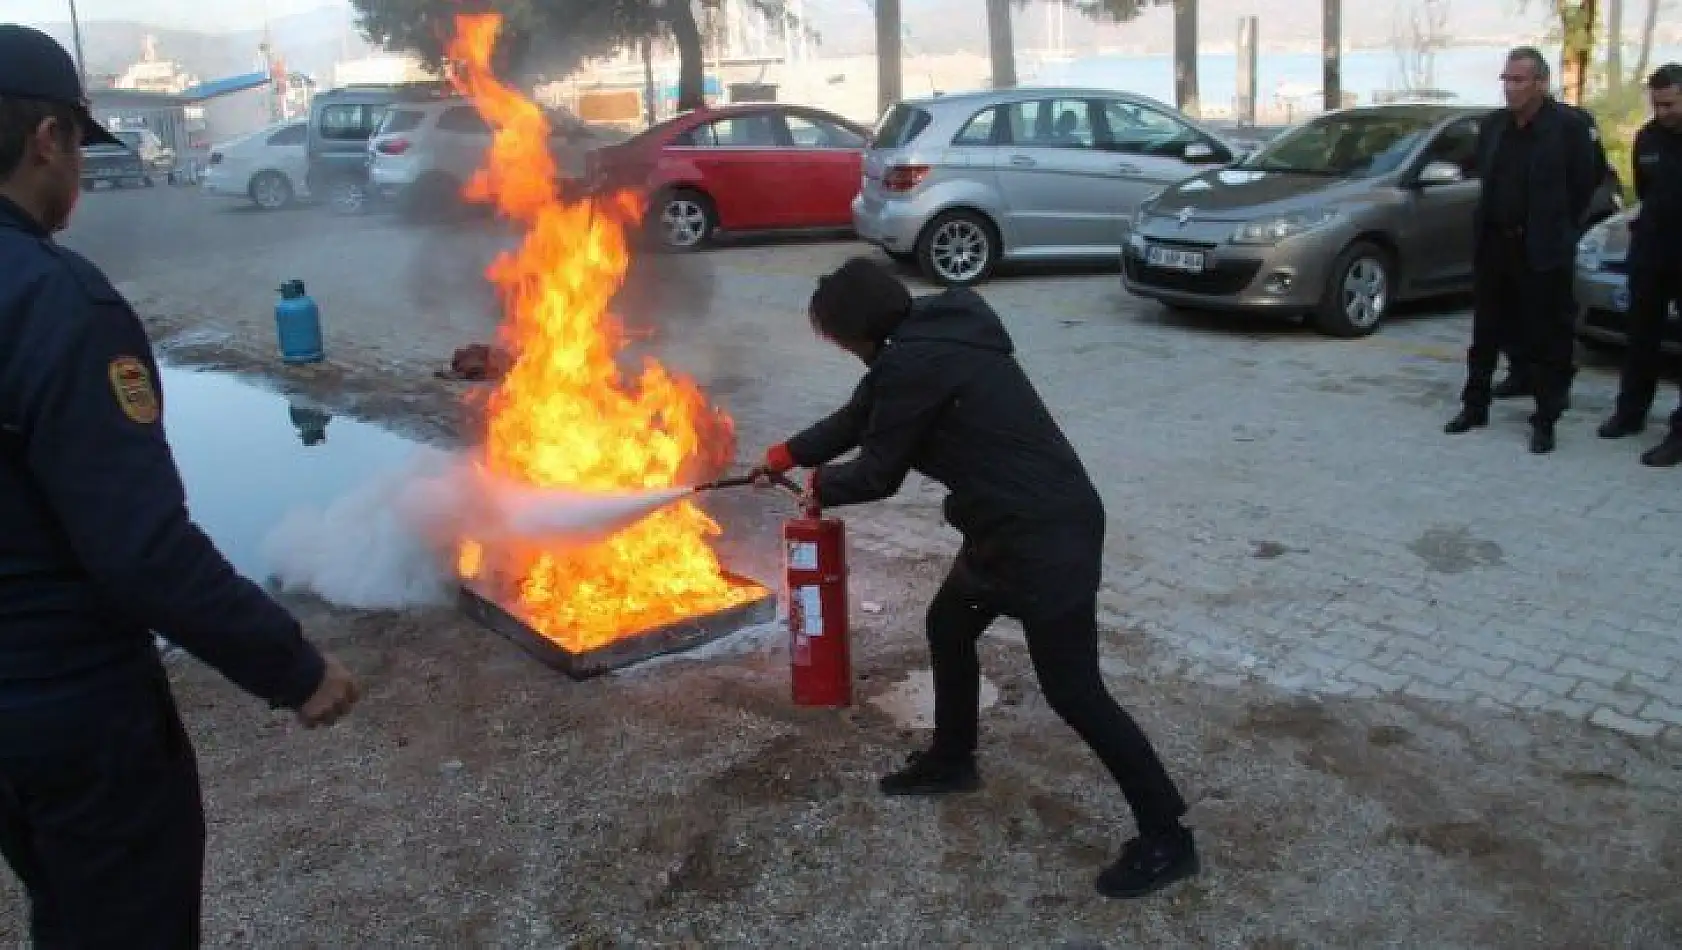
1582,171
1643,183
830,438
92,417
905,405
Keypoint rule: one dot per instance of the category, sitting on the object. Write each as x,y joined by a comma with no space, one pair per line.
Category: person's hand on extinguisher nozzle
778,461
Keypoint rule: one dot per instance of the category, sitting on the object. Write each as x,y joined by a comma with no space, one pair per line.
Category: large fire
566,415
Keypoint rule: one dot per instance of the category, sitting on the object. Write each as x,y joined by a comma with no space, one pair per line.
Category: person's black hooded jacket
945,396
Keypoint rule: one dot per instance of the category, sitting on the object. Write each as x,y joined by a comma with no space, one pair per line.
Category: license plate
1170,258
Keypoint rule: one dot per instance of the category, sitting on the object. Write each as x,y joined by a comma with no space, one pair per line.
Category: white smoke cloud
390,543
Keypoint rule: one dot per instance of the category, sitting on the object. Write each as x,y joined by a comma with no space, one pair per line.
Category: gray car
1336,218
1602,288
961,183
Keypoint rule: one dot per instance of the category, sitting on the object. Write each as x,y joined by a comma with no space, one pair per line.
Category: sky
214,16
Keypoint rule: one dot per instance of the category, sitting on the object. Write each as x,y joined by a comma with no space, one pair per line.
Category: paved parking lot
1282,505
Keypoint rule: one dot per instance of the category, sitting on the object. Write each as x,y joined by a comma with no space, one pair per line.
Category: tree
549,37
1420,34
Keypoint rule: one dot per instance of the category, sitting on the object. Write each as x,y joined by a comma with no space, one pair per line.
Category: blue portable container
298,321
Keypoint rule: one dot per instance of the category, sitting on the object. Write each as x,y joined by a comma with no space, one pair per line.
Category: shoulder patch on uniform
136,394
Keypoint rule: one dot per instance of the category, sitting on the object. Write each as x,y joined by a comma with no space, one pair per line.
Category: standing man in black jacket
944,396
1655,265
100,812
1537,164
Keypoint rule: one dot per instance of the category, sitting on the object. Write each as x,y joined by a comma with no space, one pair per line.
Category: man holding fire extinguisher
944,395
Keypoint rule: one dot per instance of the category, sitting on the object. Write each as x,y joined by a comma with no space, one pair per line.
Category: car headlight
1591,249
1274,229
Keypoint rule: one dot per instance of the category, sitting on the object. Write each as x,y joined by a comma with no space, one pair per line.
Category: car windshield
1345,146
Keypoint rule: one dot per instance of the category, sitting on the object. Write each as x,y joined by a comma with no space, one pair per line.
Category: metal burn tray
675,637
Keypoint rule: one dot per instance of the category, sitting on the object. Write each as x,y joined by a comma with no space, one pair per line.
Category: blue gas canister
298,321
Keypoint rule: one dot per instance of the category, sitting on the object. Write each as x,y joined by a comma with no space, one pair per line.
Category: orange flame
565,415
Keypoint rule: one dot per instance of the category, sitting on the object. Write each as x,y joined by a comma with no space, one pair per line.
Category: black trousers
106,830
1528,313
1651,293
1064,650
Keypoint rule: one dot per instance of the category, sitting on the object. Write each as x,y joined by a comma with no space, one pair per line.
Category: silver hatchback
961,183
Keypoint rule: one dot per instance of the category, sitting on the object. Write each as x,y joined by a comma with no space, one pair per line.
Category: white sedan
267,167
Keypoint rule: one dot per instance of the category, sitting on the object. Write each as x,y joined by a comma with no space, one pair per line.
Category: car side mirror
1440,173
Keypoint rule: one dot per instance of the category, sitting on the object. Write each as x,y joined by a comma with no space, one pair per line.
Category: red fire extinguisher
815,583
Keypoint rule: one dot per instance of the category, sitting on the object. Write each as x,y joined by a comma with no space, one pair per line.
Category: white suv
424,152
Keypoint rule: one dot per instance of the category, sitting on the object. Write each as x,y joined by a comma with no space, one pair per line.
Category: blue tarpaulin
224,87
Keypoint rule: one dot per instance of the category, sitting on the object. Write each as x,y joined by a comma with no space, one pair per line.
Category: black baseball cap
34,66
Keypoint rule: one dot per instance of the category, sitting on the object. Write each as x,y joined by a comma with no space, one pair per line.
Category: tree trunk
1578,19
1002,42
650,95
1648,28
1614,45
890,85
1331,43
1185,57
692,64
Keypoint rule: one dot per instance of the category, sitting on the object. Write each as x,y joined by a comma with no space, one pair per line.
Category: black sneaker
1619,426
926,773
1542,438
1150,863
1467,420
1667,454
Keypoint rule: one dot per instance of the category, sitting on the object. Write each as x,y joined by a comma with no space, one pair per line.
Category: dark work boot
1542,440
1621,425
1467,420
1512,387
929,773
1150,863
1667,454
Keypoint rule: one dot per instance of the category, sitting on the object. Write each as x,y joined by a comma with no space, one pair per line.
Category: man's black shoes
1150,863
1667,454
928,773
1467,420
1622,426
1542,439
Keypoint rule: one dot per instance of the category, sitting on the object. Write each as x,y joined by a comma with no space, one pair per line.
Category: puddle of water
910,703
248,456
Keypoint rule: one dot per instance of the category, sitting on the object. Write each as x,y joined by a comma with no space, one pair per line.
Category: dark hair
1534,57
1668,76
860,303
19,118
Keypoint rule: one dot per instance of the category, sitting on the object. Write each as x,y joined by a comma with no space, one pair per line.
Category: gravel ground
476,799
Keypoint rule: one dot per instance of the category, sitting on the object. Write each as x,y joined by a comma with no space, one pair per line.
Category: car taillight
393,146
215,158
904,177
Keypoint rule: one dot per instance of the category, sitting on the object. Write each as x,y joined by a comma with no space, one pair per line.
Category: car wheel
346,196
1358,295
686,220
271,191
958,249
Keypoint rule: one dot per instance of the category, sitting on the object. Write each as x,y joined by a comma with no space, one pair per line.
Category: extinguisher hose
779,479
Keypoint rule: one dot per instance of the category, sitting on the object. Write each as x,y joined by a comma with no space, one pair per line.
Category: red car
739,168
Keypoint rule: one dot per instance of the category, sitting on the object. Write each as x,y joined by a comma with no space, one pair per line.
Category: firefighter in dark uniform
945,396
100,810
1607,202
1537,164
1655,265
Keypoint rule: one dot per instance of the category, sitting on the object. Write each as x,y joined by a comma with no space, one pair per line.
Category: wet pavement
249,456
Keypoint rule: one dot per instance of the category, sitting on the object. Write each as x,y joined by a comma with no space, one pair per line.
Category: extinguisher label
811,611
803,556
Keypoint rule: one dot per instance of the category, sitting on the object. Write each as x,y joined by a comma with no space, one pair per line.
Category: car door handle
1022,161
1127,168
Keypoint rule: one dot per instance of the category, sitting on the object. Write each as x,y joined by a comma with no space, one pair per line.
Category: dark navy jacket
946,397
1565,170
1656,234
96,546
